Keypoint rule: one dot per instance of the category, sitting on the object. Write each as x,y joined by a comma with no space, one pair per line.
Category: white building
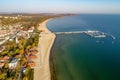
13,63
31,29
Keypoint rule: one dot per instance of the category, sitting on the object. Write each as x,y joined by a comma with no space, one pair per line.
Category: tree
21,51
6,65
9,78
4,53
25,78
10,53
23,61
3,76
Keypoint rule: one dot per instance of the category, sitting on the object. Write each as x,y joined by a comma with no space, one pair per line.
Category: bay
81,57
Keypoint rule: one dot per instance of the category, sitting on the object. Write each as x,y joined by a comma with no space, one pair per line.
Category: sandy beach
46,40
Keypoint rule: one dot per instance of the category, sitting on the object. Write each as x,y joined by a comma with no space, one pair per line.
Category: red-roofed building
31,64
32,56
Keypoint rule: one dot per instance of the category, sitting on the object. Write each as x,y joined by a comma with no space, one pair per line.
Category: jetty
72,32
92,33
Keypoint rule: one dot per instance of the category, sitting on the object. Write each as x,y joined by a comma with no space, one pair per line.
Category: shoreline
53,67
46,41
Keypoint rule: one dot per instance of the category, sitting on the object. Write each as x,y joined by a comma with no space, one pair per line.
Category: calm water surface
81,57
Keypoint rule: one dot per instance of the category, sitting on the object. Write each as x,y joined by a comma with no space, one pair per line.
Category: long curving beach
46,40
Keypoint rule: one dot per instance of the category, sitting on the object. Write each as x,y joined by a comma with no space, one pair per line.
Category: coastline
46,41
53,67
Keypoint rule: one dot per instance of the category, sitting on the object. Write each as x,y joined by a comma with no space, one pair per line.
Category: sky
60,6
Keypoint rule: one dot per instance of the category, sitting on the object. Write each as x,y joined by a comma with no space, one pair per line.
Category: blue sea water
81,57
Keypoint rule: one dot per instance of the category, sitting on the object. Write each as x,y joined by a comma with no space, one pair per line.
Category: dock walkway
92,33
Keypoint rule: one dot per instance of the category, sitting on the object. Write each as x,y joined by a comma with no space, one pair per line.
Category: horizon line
50,13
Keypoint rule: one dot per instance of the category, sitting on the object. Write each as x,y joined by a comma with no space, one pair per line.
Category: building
23,34
31,29
33,50
32,56
31,64
13,63
2,61
5,58
16,40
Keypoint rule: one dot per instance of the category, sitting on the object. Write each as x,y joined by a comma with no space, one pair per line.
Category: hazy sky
60,6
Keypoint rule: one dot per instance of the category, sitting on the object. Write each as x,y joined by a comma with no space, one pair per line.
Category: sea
82,57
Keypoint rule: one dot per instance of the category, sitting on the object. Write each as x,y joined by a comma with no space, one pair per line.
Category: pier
73,32
92,33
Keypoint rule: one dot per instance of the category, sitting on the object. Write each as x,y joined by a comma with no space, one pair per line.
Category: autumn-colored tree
21,51
6,65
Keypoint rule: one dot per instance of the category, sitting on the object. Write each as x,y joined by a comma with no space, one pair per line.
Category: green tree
3,76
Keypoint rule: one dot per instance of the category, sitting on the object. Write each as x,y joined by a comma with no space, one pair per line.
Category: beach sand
46,40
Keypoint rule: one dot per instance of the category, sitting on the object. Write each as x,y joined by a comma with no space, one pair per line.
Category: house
13,63
32,56
2,61
31,64
27,57
28,53
5,58
33,50
16,40
24,34
31,29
